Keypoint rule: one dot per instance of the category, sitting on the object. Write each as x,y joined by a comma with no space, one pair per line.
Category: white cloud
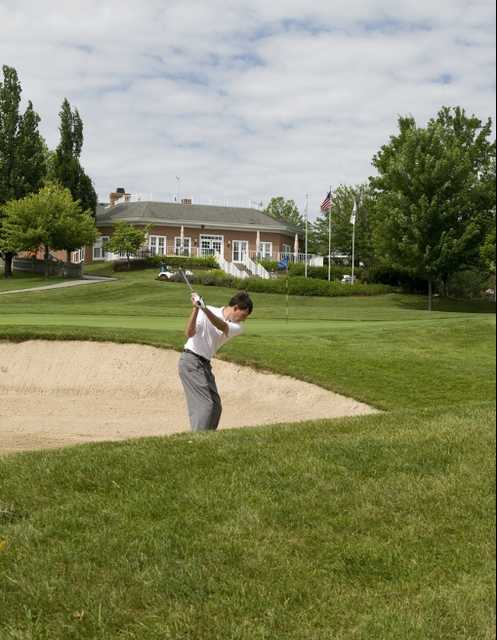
248,99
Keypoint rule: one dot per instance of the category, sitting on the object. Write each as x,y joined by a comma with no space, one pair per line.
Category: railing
256,269
312,260
230,268
251,261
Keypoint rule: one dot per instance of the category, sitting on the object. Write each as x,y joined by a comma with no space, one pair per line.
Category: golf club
183,275
199,302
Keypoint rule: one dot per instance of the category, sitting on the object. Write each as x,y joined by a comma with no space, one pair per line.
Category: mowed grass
388,351
379,527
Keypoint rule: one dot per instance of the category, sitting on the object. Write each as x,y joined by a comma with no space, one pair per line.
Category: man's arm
191,328
217,322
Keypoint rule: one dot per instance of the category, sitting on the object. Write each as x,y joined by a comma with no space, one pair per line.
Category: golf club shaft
183,274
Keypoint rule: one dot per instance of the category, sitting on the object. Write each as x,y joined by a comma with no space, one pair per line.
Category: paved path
62,285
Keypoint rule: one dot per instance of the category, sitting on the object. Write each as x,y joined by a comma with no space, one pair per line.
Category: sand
55,394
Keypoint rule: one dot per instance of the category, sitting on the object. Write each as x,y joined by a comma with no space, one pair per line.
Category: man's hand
198,301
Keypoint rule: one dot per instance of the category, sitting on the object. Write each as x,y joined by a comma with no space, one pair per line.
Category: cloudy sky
244,100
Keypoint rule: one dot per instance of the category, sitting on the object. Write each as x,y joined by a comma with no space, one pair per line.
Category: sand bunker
54,394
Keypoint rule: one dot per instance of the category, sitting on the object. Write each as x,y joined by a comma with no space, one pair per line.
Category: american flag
326,204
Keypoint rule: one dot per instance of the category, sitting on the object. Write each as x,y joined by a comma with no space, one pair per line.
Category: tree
50,218
127,240
65,164
23,152
286,211
434,195
341,227
488,252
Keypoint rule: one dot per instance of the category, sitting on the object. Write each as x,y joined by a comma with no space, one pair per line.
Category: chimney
117,195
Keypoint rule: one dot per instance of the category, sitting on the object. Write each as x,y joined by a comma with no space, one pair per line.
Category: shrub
321,273
468,284
318,273
396,278
155,262
297,286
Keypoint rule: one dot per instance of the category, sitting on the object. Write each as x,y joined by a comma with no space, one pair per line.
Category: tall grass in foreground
354,529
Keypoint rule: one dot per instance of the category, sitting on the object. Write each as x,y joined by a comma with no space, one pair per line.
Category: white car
347,279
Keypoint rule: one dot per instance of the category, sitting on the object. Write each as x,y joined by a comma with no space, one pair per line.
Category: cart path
62,285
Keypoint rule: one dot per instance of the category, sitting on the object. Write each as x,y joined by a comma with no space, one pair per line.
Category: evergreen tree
66,166
23,152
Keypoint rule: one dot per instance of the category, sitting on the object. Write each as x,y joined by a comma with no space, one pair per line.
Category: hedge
155,262
297,286
318,273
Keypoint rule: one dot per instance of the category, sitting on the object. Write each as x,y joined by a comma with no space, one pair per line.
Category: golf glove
198,301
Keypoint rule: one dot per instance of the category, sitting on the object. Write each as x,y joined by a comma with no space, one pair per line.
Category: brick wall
278,239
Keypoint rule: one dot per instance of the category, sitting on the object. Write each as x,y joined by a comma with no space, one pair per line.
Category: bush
318,273
396,278
321,273
297,286
468,284
155,262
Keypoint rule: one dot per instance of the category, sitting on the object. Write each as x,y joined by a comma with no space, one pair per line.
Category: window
157,245
99,248
210,245
287,250
187,247
78,256
266,250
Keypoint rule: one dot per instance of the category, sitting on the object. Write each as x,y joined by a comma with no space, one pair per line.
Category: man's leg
217,408
204,404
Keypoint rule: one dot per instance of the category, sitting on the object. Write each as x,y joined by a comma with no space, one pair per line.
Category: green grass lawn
374,528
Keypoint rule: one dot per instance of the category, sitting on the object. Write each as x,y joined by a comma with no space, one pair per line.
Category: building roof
171,214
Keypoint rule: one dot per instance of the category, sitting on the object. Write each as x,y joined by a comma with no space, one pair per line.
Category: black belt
201,358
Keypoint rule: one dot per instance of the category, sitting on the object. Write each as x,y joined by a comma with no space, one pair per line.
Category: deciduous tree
127,240
434,195
50,218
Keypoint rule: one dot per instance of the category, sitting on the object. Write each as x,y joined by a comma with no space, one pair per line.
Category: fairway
378,526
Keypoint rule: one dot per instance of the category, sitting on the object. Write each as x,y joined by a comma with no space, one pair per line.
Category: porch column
296,247
182,241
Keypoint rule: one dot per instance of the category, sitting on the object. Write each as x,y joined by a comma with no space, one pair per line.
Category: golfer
208,329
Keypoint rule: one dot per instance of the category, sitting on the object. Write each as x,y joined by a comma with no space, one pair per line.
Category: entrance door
240,250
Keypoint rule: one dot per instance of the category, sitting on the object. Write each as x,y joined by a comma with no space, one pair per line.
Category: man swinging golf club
208,329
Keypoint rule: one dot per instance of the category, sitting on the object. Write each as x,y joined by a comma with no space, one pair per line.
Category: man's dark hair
243,301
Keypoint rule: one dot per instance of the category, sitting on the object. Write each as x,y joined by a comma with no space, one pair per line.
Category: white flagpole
354,220
329,240
306,232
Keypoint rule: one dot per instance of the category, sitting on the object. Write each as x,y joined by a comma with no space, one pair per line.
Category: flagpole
306,232
287,293
329,240
353,253
353,220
